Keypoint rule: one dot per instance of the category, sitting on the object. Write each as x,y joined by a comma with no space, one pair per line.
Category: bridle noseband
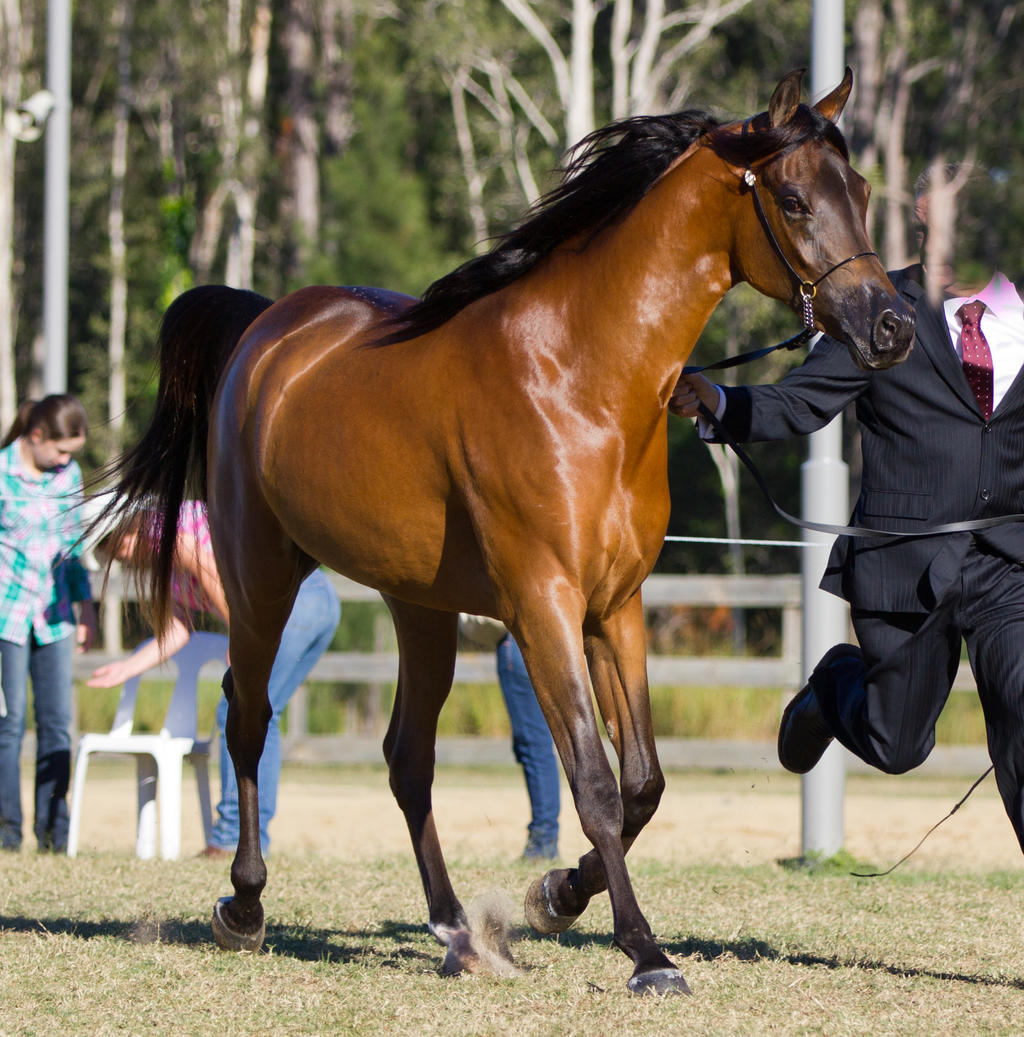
807,289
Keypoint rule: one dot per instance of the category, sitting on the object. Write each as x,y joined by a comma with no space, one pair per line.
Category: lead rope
792,343
808,290
907,856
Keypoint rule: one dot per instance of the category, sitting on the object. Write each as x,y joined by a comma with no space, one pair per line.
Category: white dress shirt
1002,324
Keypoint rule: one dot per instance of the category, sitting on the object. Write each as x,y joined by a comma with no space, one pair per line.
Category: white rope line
755,543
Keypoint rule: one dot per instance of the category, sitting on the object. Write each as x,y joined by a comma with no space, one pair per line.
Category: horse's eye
792,204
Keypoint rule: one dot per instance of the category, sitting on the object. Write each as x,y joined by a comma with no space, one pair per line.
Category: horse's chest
622,575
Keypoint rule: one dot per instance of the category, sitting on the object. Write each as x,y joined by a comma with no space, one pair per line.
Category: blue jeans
531,743
306,636
50,669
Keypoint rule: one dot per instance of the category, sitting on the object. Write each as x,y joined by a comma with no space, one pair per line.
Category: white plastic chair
158,756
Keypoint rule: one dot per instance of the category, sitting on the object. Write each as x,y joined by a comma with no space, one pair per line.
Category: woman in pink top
196,587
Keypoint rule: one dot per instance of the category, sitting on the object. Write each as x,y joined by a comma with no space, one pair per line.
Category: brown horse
499,447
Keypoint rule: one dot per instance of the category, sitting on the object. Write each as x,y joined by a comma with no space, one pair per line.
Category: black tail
150,481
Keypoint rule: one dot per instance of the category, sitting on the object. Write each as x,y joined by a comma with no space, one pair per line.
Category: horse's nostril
892,333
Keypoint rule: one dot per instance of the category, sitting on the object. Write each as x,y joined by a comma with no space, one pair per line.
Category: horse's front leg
555,658
616,655
238,923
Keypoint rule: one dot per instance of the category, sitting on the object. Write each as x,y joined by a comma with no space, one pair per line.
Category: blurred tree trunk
115,223
301,131
234,197
645,53
644,66
867,61
247,135
458,85
337,61
890,66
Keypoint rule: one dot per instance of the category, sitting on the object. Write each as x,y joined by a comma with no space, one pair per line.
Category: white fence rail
760,592
780,592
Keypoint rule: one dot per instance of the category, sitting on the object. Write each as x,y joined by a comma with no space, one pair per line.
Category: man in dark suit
933,453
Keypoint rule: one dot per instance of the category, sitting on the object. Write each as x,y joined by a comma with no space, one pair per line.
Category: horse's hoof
658,981
482,948
230,938
462,955
540,915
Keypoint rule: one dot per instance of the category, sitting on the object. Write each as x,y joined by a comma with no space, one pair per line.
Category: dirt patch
740,818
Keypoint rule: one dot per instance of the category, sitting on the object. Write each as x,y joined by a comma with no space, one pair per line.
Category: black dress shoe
803,734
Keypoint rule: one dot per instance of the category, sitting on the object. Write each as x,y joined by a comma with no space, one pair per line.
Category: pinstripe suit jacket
928,457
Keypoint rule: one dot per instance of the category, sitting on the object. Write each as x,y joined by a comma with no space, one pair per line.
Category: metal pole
824,483
55,224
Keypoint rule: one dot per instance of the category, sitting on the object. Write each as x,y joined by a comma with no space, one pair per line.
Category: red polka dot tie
977,355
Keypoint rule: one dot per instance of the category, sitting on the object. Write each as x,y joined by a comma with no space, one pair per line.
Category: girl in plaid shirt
41,583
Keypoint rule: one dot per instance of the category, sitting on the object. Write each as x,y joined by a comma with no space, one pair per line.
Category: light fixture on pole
25,123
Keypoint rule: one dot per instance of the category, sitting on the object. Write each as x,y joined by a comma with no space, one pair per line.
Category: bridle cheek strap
807,289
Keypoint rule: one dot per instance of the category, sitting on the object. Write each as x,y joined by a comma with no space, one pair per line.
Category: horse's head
801,234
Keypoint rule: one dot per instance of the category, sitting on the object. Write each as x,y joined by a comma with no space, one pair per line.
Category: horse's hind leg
426,643
257,619
238,921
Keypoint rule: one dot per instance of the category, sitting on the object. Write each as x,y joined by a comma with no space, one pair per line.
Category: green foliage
961,722
365,626
378,228
740,714
96,706
393,199
471,709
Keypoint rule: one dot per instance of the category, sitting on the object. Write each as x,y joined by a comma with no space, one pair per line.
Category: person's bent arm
806,399
201,566
146,656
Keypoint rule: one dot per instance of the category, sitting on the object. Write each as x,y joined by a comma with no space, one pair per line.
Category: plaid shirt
40,574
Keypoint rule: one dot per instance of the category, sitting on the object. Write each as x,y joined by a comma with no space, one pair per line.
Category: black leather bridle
807,289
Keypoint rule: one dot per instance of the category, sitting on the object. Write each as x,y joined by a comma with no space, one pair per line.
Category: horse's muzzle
892,335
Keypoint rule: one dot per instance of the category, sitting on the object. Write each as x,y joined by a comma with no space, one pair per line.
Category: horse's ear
785,98
832,105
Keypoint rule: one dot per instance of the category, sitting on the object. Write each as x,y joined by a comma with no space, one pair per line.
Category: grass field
106,944
110,945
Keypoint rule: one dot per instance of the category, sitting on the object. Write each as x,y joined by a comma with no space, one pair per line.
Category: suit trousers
883,705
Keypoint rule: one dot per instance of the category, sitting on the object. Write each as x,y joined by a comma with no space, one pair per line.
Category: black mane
607,174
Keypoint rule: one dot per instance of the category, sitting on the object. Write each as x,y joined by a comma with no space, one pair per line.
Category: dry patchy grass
107,944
